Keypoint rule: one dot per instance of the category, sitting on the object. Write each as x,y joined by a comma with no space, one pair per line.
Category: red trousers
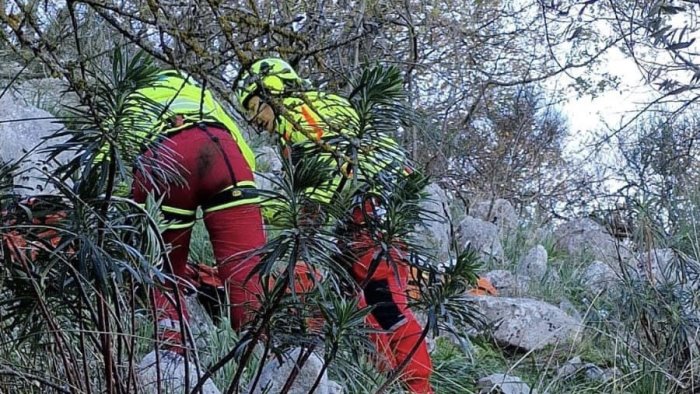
208,160
386,292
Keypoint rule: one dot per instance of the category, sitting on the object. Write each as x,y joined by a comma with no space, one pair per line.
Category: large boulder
10,70
657,263
569,308
265,181
483,237
335,388
275,373
171,368
534,263
599,278
506,283
584,237
435,232
23,128
503,384
499,212
664,266
526,324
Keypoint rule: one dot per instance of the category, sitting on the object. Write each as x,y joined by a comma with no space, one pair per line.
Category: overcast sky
616,106
613,107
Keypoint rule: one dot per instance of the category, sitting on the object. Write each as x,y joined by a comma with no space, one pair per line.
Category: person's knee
385,310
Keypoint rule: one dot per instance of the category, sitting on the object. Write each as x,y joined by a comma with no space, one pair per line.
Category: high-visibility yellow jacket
330,122
176,102
177,95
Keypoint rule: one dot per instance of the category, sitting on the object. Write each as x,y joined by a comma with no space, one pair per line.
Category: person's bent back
327,125
196,158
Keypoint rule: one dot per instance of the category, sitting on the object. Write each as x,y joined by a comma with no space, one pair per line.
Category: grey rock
602,375
276,371
483,237
335,387
599,277
681,275
263,180
658,265
200,325
268,167
172,373
576,366
268,160
552,277
22,141
584,237
570,368
48,93
431,340
534,263
526,324
569,308
9,71
506,283
435,232
499,212
543,234
503,384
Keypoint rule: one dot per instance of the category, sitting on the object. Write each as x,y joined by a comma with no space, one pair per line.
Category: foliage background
485,125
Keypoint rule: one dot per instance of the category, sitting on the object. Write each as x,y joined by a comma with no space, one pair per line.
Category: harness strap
215,139
243,193
240,193
176,218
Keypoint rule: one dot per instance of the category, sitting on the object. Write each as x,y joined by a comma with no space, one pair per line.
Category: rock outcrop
576,367
435,233
268,167
534,263
506,283
23,129
526,324
599,278
664,266
275,373
499,212
483,237
503,384
584,237
172,368
200,323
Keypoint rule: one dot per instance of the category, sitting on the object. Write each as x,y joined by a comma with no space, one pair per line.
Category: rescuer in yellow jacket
308,117
194,156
